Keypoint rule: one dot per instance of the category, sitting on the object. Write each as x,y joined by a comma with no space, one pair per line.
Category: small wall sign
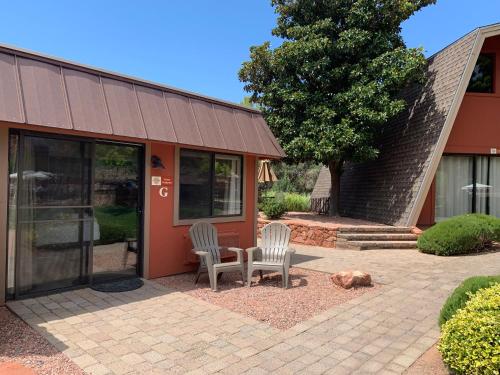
156,180
166,181
493,151
163,192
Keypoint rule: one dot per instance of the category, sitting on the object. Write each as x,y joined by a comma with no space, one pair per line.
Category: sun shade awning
266,173
39,90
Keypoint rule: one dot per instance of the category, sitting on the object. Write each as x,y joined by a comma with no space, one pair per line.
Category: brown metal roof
41,90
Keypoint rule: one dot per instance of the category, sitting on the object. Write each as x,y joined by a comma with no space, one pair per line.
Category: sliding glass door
117,208
54,214
467,184
75,209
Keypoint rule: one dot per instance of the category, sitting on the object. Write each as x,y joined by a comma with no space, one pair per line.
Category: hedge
463,293
470,340
460,235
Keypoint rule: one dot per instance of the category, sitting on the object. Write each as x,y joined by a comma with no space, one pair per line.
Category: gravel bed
309,293
22,344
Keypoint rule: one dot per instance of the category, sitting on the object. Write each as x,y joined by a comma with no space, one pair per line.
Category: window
210,185
482,76
466,184
454,186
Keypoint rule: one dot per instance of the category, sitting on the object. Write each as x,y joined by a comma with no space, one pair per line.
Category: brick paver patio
156,330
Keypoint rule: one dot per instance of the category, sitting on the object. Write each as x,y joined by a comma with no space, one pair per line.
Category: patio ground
159,330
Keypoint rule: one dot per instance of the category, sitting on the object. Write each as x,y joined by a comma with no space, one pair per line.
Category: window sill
211,220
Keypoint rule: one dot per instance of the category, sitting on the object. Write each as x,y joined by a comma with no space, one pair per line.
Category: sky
196,45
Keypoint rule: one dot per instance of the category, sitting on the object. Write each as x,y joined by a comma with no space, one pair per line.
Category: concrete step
378,236
374,229
376,245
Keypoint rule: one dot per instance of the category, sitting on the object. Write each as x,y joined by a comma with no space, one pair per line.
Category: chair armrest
288,256
204,255
253,253
238,251
200,253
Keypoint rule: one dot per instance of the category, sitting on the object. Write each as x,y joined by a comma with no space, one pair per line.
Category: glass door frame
140,202
474,177
21,133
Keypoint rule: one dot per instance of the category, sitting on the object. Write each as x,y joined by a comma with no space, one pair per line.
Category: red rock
349,279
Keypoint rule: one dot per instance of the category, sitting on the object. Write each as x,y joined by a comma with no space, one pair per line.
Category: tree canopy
334,80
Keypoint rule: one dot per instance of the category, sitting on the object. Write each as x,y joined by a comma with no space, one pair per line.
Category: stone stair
376,237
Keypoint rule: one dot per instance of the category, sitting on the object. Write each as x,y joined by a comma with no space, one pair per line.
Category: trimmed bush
274,208
297,202
460,235
463,293
470,340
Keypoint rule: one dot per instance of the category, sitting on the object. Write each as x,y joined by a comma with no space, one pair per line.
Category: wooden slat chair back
273,253
275,238
206,245
204,238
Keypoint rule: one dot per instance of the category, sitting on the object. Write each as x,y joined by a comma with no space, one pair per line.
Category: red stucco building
103,174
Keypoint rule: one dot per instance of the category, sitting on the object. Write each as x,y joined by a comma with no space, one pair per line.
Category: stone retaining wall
307,234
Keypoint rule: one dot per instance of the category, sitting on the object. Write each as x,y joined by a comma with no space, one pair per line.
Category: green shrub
297,202
470,340
460,235
463,293
274,208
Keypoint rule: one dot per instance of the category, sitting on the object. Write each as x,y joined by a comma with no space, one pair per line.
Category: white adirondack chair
273,254
206,246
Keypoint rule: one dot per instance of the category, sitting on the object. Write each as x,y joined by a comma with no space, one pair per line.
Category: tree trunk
335,168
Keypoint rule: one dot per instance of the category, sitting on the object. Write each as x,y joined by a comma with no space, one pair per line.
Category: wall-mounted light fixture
156,162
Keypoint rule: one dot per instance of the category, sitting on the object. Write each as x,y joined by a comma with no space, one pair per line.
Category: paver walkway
156,330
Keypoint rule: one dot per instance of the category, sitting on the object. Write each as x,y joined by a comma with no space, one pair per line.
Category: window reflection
210,185
116,208
482,76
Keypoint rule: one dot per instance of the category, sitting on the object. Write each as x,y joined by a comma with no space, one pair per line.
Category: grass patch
116,223
292,201
297,202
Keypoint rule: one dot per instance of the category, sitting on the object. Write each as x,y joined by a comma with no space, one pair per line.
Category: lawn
116,223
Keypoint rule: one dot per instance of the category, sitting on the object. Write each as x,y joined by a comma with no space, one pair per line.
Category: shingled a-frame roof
392,189
53,93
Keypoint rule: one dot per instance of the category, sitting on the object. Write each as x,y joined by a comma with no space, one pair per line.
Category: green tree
247,102
334,81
